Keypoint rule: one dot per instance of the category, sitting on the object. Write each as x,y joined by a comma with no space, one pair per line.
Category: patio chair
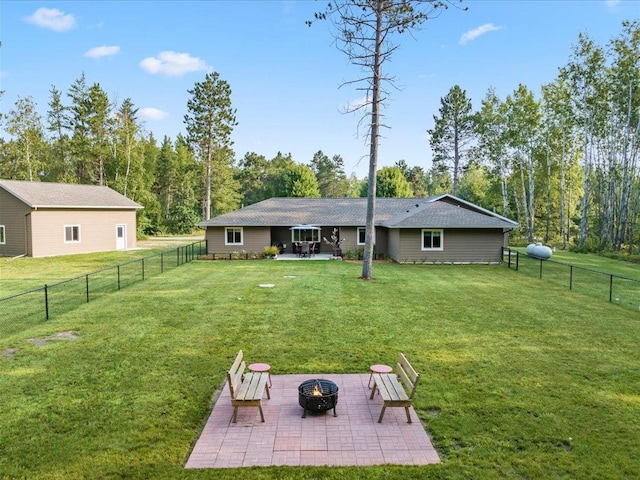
304,250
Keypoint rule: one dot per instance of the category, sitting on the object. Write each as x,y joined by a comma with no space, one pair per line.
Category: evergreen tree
209,124
60,166
415,176
453,132
364,33
252,174
330,175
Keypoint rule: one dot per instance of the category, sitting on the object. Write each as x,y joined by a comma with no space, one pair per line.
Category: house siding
97,230
14,217
394,244
282,235
350,235
460,246
350,243
254,239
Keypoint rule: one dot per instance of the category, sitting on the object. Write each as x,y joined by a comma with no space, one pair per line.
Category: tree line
562,162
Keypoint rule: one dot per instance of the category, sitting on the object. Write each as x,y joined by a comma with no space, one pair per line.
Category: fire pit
318,395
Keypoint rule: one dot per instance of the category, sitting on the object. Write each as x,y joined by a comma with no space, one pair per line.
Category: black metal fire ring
327,400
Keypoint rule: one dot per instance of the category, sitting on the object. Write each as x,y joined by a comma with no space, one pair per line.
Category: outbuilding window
3,239
432,239
72,234
233,236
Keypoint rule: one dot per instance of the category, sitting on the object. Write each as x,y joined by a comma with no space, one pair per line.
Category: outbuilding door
121,237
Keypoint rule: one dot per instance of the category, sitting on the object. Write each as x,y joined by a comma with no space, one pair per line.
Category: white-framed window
233,236
72,234
432,239
3,238
305,235
362,236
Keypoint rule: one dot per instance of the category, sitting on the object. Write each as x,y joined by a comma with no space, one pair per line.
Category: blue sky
284,75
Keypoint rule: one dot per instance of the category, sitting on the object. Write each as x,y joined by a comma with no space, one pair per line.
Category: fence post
118,277
46,301
610,288
86,283
540,269
177,256
143,269
517,261
570,277
162,262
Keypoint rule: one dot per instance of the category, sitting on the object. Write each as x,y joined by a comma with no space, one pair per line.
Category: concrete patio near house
285,438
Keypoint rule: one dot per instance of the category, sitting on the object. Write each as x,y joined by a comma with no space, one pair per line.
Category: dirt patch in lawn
9,353
57,336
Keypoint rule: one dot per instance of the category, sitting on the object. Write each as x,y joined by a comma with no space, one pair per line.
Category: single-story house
40,219
439,229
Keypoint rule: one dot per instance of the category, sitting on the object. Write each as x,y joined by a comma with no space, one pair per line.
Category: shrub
270,251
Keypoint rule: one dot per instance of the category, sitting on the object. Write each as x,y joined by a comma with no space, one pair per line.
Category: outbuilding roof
65,195
443,211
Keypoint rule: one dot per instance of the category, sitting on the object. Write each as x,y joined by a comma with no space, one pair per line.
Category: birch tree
24,125
585,73
624,81
491,127
523,126
128,156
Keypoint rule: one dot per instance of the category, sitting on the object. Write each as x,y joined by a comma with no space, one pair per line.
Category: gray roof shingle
64,195
337,212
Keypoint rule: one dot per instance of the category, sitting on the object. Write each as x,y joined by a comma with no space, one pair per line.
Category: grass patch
591,275
595,262
514,384
22,274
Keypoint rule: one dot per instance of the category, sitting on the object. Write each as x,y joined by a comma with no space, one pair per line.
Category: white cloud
612,3
477,32
357,104
153,114
103,51
51,18
173,64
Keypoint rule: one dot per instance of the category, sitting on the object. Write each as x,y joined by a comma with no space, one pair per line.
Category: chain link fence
22,310
601,285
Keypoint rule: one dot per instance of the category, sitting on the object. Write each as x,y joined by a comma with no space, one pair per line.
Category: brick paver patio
352,438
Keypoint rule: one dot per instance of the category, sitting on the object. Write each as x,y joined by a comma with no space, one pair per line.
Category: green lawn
514,384
595,262
22,274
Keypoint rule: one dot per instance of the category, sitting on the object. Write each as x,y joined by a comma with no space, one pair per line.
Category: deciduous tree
392,184
24,125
